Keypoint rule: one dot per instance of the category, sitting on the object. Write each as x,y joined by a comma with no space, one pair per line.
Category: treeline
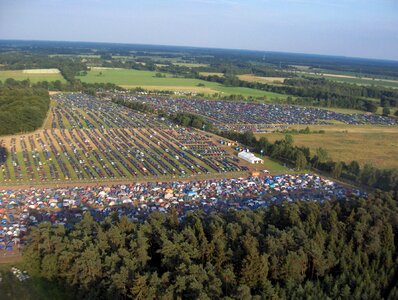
22,109
301,158
136,105
306,130
191,120
305,250
180,118
3,155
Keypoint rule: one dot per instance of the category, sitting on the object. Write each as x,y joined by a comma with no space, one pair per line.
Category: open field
365,143
254,78
126,77
85,140
148,80
33,75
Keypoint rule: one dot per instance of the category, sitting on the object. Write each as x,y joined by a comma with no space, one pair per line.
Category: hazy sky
363,28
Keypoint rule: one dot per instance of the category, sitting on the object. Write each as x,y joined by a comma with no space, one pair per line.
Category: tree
386,111
301,161
354,168
322,154
289,139
337,169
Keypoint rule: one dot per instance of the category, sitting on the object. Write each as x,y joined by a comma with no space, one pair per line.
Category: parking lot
90,140
243,116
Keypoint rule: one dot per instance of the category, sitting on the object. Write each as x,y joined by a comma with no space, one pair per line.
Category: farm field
364,143
254,78
33,75
86,140
148,80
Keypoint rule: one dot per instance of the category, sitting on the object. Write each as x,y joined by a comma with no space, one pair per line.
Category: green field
377,145
34,78
275,167
148,80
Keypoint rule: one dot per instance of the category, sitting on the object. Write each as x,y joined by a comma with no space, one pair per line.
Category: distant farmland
347,78
34,75
148,80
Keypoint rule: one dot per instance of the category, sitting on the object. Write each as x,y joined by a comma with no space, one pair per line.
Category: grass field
32,76
254,78
148,80
366,144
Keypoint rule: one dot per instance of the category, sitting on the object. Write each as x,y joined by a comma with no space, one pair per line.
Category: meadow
33,75
148,80
364,143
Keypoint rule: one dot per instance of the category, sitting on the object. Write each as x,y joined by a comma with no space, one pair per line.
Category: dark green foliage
386,111
3,155
192,120
337,250
306,130
22,108
140,106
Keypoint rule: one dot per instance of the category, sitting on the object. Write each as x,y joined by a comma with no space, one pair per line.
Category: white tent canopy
250,157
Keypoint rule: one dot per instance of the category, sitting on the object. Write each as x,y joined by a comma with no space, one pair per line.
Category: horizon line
204,47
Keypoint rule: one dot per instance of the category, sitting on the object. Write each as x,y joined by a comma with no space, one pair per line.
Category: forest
22,108
342,249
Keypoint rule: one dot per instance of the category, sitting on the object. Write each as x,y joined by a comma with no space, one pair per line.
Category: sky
357,28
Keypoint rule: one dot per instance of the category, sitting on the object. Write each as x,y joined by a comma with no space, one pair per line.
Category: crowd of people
22,208
226,114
